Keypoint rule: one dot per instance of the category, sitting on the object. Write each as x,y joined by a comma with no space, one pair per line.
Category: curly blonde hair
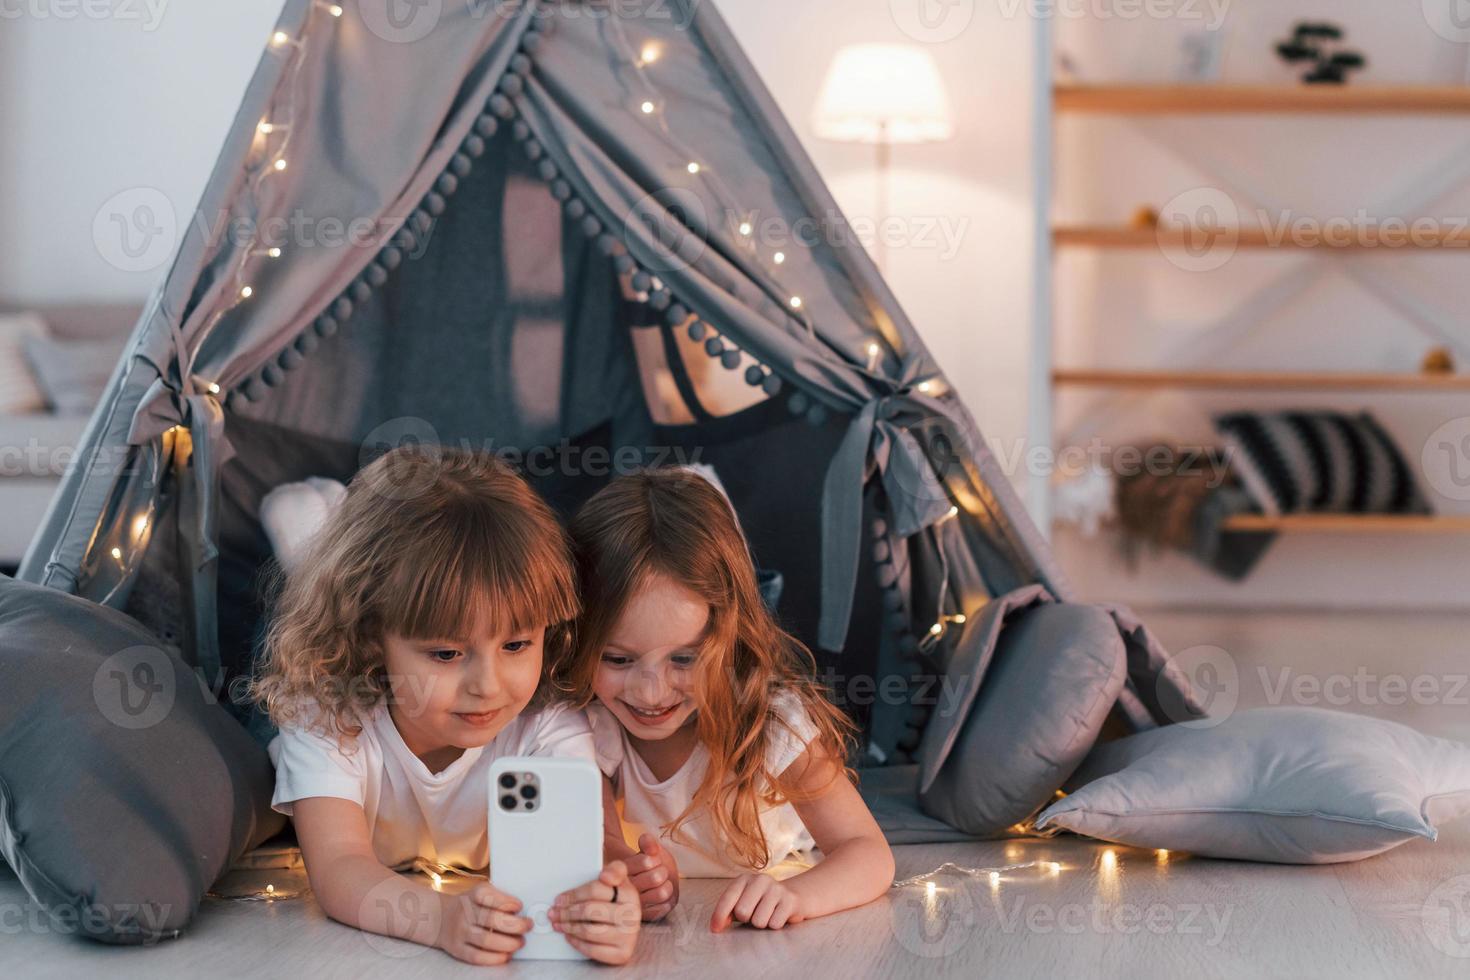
427,543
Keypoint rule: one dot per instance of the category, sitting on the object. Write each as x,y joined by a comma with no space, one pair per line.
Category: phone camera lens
508,802
507,779
529,792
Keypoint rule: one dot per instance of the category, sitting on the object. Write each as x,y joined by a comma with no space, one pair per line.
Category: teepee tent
467,227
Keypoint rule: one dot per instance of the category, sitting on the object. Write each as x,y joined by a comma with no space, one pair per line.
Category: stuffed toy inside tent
589,243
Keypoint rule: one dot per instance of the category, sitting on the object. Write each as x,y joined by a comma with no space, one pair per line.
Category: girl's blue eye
683,659
616,660
516,646
443,656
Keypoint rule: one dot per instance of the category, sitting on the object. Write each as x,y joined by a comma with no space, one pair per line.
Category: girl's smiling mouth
652,716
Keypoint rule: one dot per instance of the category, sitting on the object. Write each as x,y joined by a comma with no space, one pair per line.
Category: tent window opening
682,383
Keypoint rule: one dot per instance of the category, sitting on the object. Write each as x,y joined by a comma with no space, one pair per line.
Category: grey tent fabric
506,181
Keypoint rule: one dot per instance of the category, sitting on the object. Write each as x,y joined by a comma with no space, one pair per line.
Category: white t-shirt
651,805
412,813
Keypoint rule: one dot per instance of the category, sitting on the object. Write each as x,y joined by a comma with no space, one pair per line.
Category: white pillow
292,513
20,393
1286,785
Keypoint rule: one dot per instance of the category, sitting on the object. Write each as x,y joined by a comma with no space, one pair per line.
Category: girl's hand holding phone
656,876
481,926
757,900
601,919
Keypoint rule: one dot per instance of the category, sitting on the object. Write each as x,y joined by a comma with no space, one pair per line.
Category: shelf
1261,99
1265,380
1352,523
1126,236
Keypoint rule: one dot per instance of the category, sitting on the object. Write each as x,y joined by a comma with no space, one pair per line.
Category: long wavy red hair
676,524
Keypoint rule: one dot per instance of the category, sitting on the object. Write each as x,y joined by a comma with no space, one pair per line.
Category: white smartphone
545,838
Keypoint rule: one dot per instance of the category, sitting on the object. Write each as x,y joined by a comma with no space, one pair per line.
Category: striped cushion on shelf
1320,462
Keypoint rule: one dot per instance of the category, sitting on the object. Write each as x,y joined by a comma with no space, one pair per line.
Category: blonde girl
404,657
726,755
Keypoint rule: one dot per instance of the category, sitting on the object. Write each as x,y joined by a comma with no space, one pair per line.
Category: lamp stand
884,152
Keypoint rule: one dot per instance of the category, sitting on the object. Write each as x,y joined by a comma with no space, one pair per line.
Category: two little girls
432,626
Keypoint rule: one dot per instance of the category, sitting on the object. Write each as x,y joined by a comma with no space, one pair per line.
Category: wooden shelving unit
1261,99
1264,380
1352,524
1156,100
1127,237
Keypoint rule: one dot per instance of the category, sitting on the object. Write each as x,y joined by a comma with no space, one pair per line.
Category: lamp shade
883,93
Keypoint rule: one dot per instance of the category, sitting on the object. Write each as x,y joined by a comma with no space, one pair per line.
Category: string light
140,525
648,108
334,9
651,53
926,386
280,164
694,167
875,354
746,229
929,879
796,302
779,258
212,388
280,38
246,292
274,252
266,128
117,553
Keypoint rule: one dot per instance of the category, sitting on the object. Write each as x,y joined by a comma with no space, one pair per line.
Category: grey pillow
1031,683
73,374
1286,785
125,791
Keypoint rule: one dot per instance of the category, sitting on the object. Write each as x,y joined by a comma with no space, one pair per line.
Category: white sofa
35,448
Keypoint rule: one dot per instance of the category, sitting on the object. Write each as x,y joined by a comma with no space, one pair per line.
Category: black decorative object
1317,46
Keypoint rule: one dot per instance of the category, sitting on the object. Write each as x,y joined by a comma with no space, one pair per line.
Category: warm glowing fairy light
279,38
647,108
273,252
1109,860
796,302
650,53
779,258
694,167
746,229
1056,868
931,888
926,386
936,629
246,292
280,164
212,388
140,524
117,553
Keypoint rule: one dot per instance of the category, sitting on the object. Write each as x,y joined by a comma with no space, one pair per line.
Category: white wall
96,106
92,108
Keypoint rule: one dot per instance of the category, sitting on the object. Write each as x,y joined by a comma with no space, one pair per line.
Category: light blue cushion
1286,785
72,373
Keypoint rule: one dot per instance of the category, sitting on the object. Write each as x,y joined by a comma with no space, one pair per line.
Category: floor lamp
883,94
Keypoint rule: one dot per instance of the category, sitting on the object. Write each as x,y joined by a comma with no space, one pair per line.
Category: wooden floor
1134,915
1404,914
